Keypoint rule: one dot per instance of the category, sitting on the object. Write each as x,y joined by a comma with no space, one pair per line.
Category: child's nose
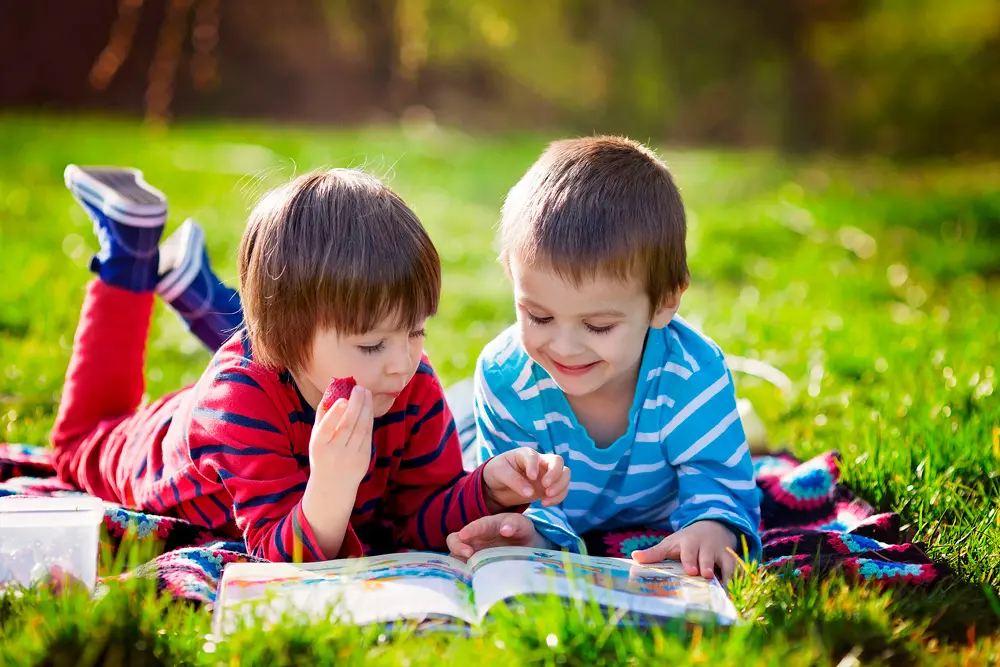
399,363
564,343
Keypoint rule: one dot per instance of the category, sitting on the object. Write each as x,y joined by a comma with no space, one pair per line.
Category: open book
443,593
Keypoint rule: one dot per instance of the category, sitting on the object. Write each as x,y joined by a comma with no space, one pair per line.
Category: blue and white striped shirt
683,459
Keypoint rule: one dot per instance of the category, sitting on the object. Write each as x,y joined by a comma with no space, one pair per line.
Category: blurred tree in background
902,77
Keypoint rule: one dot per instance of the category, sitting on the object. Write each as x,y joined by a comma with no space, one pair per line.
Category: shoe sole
191,237
119,193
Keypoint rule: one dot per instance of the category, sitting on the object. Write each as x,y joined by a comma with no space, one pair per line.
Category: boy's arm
497,432
234,432
705,442
431,495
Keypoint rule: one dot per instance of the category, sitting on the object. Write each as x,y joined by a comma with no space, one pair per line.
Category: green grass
875,288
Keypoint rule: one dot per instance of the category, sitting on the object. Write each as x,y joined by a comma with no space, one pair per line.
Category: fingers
345,427
528,461
457,547
351,421
689,556
510,476
516,527
483,528
666,549
362,435
706,562
557,491
553,466
327,422
490,531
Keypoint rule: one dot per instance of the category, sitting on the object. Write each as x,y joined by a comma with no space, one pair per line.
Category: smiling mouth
577,369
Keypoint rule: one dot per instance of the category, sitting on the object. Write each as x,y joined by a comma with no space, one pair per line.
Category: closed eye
537,320
599,330
372,349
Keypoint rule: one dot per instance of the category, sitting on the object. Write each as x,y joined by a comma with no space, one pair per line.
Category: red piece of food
339,388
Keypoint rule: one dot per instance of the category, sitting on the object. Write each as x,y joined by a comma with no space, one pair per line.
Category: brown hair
335,249
599,206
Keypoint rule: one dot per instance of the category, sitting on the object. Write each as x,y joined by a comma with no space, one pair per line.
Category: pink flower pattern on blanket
811,525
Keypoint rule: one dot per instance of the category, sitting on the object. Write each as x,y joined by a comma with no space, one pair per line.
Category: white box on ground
49,539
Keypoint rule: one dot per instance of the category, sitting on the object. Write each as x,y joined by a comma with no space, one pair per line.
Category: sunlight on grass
874,288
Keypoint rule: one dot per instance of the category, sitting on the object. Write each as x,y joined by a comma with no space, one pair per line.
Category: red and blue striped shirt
231,453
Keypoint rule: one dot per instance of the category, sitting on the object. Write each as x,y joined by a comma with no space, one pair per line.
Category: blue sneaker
128,216
211,310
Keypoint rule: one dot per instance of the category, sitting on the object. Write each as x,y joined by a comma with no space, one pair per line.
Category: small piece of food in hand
339,388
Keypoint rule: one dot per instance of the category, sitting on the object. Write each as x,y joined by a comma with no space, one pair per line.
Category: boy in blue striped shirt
601,370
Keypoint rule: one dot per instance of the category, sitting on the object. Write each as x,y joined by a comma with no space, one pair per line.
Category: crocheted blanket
811,524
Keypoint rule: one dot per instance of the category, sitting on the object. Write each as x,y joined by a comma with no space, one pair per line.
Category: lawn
875,287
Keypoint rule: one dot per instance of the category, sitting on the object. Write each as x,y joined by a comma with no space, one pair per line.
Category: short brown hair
335,249
599,205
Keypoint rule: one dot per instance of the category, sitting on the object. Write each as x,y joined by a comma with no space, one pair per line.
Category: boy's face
588,337
382,361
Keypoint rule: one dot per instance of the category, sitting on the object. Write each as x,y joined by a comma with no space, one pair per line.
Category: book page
662,589
380,589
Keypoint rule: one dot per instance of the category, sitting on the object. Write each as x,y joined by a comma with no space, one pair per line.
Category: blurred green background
900,77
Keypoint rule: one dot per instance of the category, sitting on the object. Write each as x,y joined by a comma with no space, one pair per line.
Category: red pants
103,390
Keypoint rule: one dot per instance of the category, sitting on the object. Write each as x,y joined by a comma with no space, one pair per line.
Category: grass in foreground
875,288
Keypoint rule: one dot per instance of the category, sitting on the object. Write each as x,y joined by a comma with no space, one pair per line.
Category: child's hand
699,547
340,446
522,476
340,451
498,530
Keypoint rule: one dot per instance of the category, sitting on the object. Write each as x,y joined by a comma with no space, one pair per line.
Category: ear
668,308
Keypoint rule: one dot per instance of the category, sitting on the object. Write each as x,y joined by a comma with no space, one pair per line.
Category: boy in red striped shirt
337,278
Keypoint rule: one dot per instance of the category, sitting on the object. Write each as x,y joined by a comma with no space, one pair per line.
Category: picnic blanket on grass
811,524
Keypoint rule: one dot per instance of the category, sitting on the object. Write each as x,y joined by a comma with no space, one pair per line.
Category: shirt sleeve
235,431
706,444
430,494
497,431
